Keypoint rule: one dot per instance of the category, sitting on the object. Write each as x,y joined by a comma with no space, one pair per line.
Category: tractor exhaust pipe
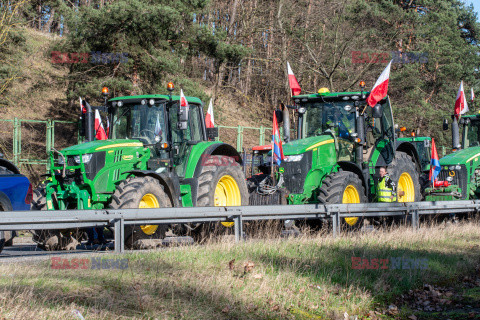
286,124
455,134
361,136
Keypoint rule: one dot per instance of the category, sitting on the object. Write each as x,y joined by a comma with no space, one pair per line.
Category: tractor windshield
337,117
471,133
140,121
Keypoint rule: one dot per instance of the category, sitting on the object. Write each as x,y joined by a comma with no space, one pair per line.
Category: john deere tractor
341,145
158,154
459,178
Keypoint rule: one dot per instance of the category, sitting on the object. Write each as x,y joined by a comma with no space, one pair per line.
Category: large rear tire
50,240
221,182
403,172
343,187
141,192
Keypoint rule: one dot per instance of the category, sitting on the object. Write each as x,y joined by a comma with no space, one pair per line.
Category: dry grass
302,278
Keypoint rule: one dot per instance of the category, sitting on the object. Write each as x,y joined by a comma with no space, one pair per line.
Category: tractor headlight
302,110
61,160
449,179
458,167
85,158
451,168
294,158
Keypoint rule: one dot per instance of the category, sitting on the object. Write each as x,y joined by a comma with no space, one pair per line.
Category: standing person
386,190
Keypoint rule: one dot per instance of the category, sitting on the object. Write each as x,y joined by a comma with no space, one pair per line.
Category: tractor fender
410,150
216,149
10,166
170,183
353,167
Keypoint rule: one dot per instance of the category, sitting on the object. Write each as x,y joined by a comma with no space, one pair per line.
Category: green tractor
341,145
459,178
158,154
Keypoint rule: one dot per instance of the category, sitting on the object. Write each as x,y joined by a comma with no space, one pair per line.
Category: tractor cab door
184,139
380,133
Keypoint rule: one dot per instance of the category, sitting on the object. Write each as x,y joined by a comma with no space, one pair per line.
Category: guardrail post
415,220
119,235
238,228
239,138
336,223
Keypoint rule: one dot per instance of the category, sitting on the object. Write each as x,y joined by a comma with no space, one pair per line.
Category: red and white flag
461,106
99,130
379,90
209,118
292,81
183,100
472,94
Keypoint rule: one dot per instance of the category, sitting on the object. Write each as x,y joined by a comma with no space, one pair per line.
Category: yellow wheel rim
149,201
351,195
405,184
227,193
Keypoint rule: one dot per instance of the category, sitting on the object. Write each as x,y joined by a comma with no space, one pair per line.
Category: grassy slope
307,278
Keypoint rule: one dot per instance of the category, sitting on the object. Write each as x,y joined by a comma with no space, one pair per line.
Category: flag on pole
472,95
99,130
183,100
434,164
292,81
461,106
276,142
209,119
108,127
81,104
379,90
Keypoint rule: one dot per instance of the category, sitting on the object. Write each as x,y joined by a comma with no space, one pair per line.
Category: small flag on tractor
292,81
277,142
209,119
99,130
379,90
461,106
472,95
434,164
183,100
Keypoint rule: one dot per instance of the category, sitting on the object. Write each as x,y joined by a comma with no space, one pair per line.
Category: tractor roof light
105,91
170,86
403,129
362,84
323,91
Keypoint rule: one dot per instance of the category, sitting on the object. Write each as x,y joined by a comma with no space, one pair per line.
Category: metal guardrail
63,219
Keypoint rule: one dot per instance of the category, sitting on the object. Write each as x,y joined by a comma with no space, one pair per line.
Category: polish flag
183,100
472,95
108,127
292,81
209,119
99,130
380,88
461,106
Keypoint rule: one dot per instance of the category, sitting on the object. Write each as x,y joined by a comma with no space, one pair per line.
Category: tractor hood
307,144
461,157
101,145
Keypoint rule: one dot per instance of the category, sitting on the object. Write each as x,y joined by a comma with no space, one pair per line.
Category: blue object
15,188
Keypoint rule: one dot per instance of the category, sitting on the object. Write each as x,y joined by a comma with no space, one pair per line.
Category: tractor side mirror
212,133
182,118
377,111
445,124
